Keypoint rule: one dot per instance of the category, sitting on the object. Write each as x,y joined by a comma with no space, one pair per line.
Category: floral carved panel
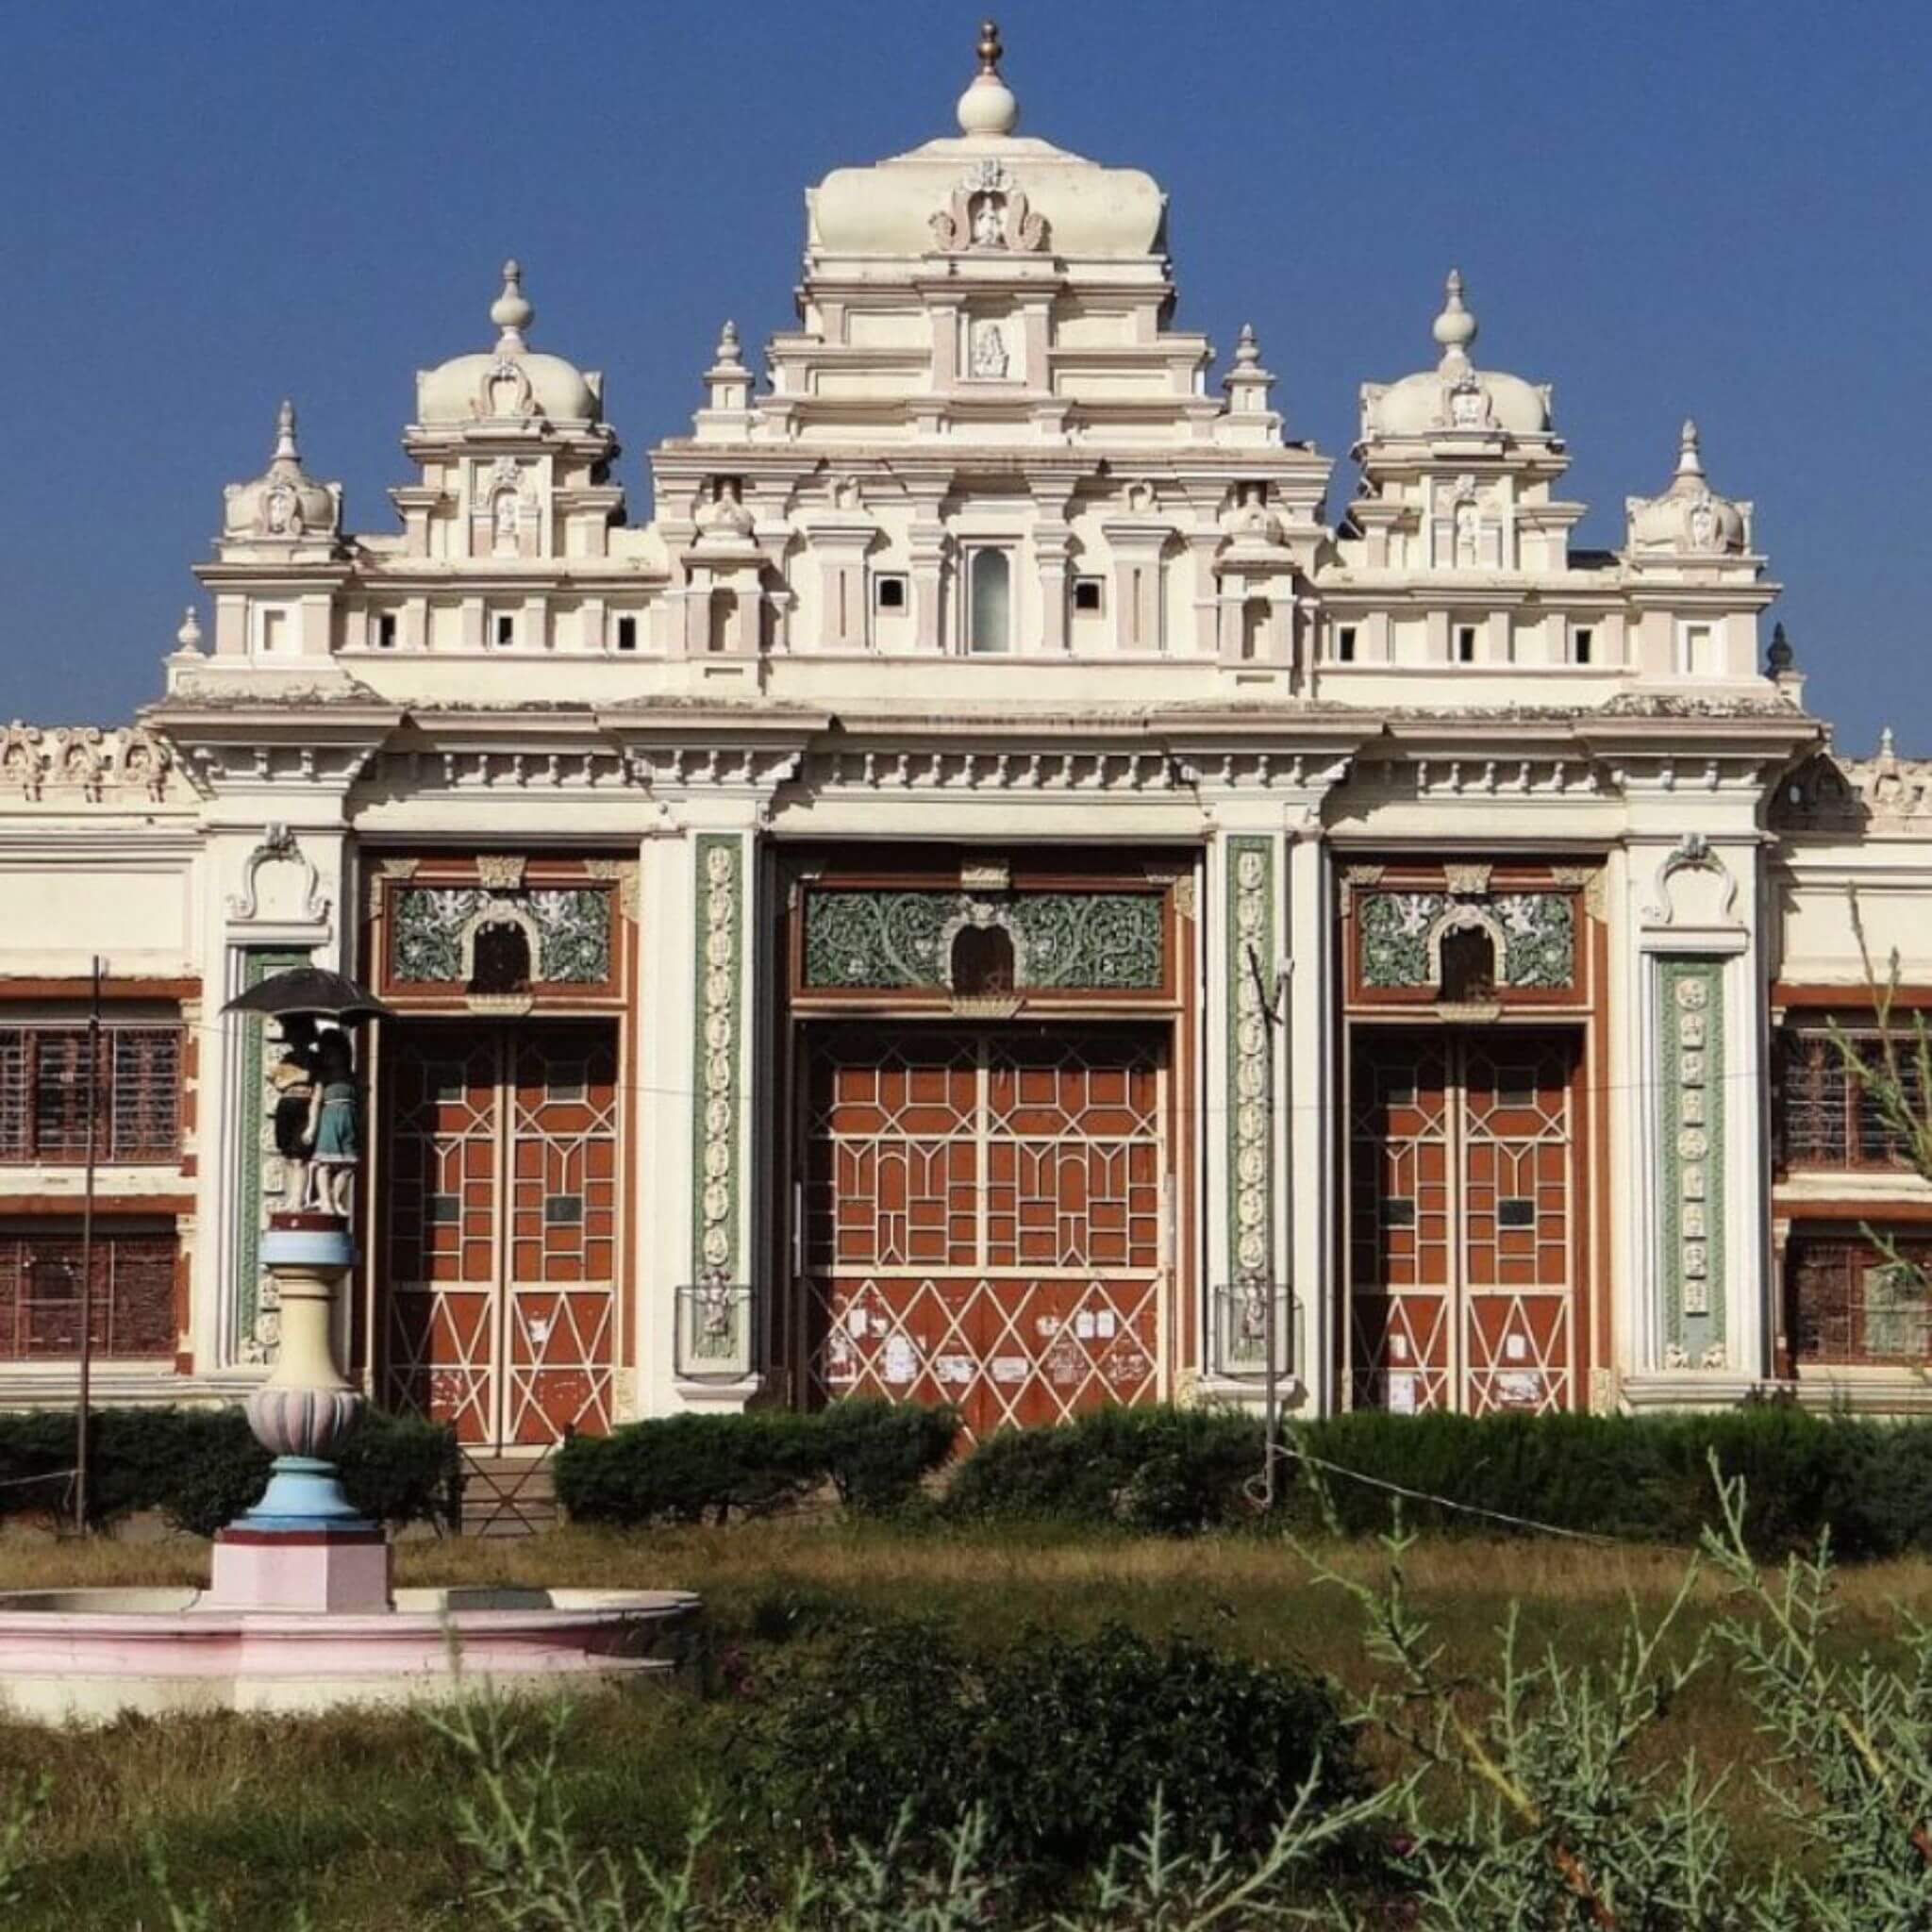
894,940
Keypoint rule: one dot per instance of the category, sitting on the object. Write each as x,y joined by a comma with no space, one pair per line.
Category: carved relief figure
1468,535
989,222
989,357
504,520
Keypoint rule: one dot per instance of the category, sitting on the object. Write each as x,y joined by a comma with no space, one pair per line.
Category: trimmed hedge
1643,1478
687,1468
201,1467
1167,1470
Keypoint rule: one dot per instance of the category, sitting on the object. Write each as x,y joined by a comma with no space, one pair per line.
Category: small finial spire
1888,745
511,312
987,107
1780,658
727,356
189,636
1689,462
1455,327
1247,351
285,434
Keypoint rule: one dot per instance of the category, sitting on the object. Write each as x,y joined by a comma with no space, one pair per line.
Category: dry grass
352,1810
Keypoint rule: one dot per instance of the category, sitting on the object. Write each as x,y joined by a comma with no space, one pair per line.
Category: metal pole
81,1444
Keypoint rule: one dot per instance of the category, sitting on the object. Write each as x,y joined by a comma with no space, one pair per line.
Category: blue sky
1720,210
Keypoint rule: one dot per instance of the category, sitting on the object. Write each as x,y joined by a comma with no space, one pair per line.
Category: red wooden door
500,1197
1465,1222
984,1219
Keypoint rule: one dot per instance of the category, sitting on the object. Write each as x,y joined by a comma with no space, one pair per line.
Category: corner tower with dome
1006,891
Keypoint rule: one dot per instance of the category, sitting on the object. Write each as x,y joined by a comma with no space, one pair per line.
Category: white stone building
999,873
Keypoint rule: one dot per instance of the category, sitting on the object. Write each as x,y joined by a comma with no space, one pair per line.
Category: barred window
1828,1116
1851,1303
44,1085
132,1310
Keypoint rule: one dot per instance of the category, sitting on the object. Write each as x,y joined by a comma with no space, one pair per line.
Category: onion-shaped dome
285,503
1454,396
1690,519
511,382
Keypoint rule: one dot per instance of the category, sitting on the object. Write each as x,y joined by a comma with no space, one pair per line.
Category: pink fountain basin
86,1655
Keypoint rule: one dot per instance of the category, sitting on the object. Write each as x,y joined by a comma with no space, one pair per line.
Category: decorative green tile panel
1537,948
253,1333
1099,940
1250,971
427,926
1690,1084
719,1060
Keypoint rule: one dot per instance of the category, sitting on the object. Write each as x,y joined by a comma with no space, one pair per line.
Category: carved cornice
87,764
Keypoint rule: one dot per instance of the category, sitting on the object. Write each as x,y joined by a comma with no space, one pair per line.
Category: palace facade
1003,893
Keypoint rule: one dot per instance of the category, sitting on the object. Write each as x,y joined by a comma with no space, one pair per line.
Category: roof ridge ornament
1455,327
285,451
511,312
987,107
1689,477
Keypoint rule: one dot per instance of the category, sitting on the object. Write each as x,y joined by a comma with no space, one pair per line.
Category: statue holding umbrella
317,1120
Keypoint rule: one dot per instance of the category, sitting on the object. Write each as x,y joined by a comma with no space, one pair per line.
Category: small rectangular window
563,1210
1345,644
274,626
1398,1210
1516,1210
445,1211
1700,651
1582,641
626,633
386,630
1086,595
506,627
1465,643
890,593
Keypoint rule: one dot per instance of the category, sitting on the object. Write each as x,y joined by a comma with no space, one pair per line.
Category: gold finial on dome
987,107
511,311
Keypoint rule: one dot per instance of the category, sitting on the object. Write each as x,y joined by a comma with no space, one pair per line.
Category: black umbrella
309,989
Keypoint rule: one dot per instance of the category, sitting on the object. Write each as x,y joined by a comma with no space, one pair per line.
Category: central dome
512,382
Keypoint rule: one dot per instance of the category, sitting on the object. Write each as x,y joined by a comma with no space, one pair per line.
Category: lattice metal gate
1465,1220
500,1200
984,1218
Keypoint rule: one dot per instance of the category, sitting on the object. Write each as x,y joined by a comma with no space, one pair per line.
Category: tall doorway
1466,1218
499,1227
984,1216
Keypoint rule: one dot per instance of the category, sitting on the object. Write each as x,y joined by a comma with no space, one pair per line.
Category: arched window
723,616
1254,629
982,959
502,959
989,598
1468,964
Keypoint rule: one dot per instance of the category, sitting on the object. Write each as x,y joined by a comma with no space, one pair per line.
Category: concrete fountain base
86,1655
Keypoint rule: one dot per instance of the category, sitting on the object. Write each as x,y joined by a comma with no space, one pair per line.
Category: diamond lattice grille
983,1221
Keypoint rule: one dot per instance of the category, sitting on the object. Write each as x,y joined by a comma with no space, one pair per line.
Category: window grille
1850,1304
1828,1116
133,1309
43,1093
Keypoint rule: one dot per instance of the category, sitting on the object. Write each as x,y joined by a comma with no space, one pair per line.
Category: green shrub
1167,1470
201,1467
687,1468
1062,1741
1643,1478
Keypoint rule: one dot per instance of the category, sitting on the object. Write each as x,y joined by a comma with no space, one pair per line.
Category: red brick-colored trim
1856,999
80,987
1856,1212
70,1204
